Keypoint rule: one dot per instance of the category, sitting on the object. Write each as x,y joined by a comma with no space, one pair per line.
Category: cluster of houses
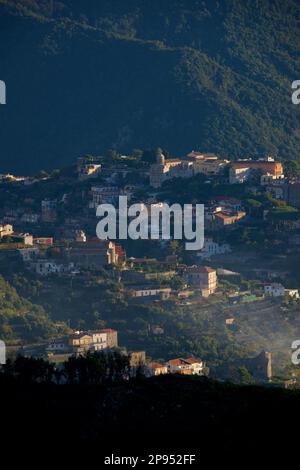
95,254
141,285
80,342
222,212
185,366
71,251
90,254
211,166
74,251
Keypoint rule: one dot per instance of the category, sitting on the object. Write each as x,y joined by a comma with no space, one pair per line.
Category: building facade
189,366
97,340
93,254
203,278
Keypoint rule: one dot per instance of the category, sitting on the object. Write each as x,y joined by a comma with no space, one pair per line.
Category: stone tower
160,159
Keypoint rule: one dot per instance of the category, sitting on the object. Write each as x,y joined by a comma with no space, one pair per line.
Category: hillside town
150,231
47,233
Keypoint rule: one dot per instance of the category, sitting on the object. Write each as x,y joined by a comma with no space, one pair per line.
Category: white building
189,366
6,229
212,248
148,292
82,341
195,162
203,278
99,340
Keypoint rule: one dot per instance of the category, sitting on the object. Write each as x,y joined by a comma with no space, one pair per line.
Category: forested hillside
20,318
85,76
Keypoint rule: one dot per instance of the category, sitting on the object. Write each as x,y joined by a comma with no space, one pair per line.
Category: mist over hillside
85,76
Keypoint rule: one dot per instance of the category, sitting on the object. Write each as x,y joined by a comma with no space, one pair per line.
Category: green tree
244,375
291,168
30,369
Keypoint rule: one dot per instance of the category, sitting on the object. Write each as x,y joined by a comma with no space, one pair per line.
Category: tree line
92,368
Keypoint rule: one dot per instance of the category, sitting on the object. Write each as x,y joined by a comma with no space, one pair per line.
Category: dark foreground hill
213,412
83,76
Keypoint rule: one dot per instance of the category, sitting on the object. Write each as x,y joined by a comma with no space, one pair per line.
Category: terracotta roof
181,361
222,215
119,250
176,362
264,165
193,360
242,163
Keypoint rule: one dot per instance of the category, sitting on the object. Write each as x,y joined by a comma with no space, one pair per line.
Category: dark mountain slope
86,76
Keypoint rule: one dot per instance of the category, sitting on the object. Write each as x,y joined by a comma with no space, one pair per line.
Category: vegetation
198,329
19,318
94,368
204,74
218,413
